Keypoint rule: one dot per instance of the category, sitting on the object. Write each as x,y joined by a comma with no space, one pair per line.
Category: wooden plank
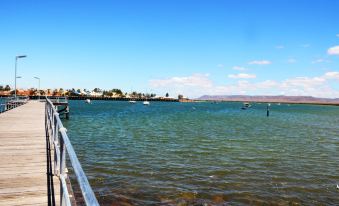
23,162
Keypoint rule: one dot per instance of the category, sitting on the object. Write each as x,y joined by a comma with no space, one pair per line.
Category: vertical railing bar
65,195
62,166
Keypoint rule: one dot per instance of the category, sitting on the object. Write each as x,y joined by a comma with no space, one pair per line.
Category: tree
107,93
61,91
1,88
55,92
134,94
33,92
167,95
97,90
180,96
117,91
7,88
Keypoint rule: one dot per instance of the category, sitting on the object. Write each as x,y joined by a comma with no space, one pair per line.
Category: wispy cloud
316,61
331,75
200,84
220,65
291,61
200,80
242,76
279,46
305,45
260,62
333,50
337,35
239,68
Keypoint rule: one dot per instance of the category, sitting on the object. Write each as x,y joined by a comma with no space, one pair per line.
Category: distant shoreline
187,100
272,99
107,98
273,102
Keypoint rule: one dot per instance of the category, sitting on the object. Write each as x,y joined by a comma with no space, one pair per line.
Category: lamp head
21,56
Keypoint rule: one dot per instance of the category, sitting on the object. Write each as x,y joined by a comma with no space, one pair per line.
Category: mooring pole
268,110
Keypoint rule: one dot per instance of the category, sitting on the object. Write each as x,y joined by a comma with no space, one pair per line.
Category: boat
132,101
88,101
246,105
146,102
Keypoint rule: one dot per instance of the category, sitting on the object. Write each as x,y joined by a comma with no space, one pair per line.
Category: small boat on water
88,101
132,101
246,105
146,102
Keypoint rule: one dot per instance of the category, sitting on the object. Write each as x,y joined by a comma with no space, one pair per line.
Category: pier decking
23,161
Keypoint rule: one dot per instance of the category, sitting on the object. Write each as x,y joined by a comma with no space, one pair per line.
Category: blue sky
185,46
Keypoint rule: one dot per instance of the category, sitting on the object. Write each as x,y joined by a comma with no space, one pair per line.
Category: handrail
12,102
58,99
62,146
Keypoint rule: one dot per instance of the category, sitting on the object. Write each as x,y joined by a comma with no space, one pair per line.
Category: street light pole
39,85
15,77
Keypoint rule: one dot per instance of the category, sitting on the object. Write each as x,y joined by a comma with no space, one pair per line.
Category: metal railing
57,99
8,103
62,146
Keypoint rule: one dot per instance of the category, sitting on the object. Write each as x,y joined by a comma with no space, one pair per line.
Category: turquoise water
2,106
207,154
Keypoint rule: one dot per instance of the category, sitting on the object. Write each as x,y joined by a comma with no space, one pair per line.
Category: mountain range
279,98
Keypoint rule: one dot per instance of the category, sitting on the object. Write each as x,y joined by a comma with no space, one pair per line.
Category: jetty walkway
23,155
33,158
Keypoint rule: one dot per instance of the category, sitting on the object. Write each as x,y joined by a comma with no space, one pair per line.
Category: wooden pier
23,162
33,149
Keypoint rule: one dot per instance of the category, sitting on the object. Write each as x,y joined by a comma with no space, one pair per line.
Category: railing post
51,122
56,144
62,169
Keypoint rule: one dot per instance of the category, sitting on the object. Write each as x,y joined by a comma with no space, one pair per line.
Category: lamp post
39,85
16,77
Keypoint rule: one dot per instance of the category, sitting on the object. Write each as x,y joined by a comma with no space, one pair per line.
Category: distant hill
280,98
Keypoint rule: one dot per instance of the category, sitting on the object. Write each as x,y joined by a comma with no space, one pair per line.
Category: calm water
207,154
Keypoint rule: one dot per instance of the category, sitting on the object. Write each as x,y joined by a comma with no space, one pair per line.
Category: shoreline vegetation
95,94
119,95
